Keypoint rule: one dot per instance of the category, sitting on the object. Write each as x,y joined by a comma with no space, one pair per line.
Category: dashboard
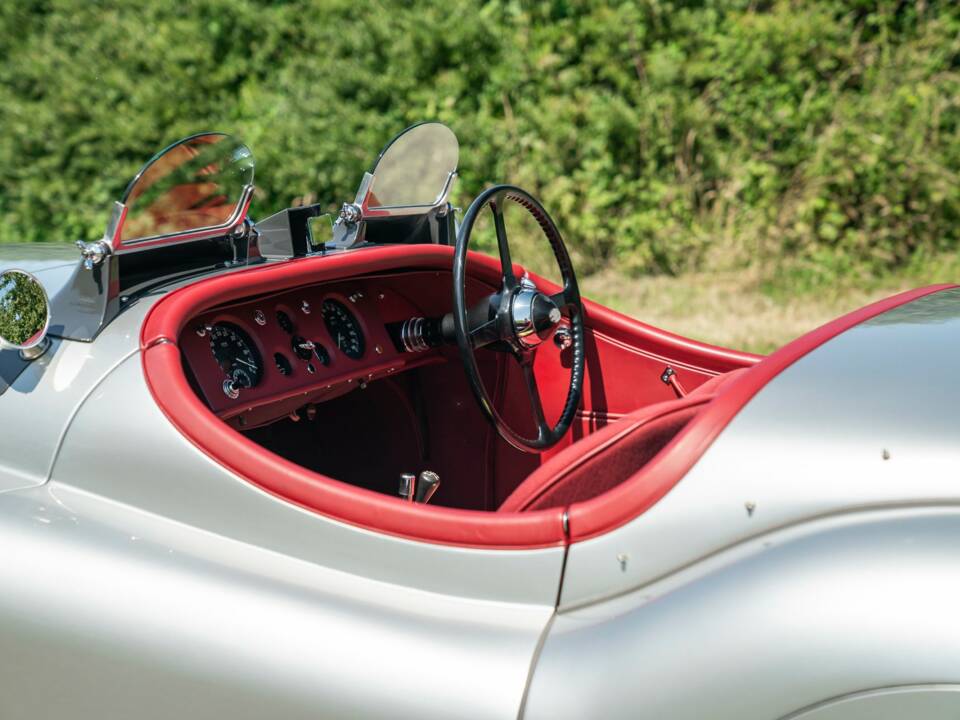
261,359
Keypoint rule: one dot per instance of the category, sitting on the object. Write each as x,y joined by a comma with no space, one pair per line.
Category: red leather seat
609,456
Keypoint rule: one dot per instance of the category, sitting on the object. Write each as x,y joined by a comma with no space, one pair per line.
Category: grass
737,309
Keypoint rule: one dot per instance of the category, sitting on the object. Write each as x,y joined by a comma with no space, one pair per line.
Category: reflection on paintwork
69,364
810,443
938,307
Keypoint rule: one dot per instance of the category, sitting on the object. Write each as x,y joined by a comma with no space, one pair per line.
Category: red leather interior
604,459
717,383
373,300
325,495
625,359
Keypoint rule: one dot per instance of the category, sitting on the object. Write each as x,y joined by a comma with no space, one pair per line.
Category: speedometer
344,329
236,355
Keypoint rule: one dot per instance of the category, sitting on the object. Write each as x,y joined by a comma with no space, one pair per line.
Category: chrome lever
408,485
427,485
419,489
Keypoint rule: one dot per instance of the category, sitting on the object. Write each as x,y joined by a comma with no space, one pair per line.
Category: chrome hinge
93,253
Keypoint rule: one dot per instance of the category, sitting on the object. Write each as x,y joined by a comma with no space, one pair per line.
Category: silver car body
807,566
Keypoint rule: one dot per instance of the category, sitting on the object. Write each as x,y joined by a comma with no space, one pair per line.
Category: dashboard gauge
284,321
343,328
283,365
236,355
322,355
302,347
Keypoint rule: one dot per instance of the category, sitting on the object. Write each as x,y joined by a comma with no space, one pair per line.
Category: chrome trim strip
211,231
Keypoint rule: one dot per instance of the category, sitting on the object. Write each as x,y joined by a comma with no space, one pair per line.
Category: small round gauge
321,353
302,347
283,365
236,354
343,328
284,321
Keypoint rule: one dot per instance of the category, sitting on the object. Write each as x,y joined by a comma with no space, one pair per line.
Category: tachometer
343,328
237,356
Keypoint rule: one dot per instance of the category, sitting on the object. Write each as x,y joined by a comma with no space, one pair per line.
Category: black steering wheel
518,318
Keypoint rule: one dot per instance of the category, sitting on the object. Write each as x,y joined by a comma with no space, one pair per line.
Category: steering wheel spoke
530,380
485,334
563,301
503,245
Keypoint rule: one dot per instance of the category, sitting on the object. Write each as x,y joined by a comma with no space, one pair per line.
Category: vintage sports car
298,468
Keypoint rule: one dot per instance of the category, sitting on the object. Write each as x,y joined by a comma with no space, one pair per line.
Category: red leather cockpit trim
329,497
165,377
167,382
641,491
570,459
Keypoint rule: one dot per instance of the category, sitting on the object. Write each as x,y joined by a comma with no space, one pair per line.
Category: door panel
624,362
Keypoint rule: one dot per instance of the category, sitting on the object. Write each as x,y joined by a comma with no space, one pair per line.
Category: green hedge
662,134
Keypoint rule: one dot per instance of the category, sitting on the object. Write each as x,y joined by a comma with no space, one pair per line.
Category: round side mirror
415,168
24,314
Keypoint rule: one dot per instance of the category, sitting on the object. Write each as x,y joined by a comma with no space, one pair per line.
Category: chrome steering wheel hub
535,316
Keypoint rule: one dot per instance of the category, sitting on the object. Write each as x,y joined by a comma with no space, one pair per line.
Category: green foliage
23,308
662,134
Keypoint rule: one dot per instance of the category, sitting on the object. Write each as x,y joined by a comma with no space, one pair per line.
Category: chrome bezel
40,343
521,316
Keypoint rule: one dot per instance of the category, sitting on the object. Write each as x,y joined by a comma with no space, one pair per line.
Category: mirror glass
413,169
320,229
195,184
24,310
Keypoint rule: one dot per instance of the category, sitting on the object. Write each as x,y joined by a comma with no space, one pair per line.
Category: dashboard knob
230,389
563,338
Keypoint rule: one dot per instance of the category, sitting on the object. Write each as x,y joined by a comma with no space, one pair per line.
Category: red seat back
604,459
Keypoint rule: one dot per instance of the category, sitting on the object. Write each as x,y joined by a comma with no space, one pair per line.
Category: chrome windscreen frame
348,230
92,297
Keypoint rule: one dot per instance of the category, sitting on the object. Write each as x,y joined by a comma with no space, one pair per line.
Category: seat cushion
606,458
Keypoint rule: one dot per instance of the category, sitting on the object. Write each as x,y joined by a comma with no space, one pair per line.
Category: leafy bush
23,308
662,134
